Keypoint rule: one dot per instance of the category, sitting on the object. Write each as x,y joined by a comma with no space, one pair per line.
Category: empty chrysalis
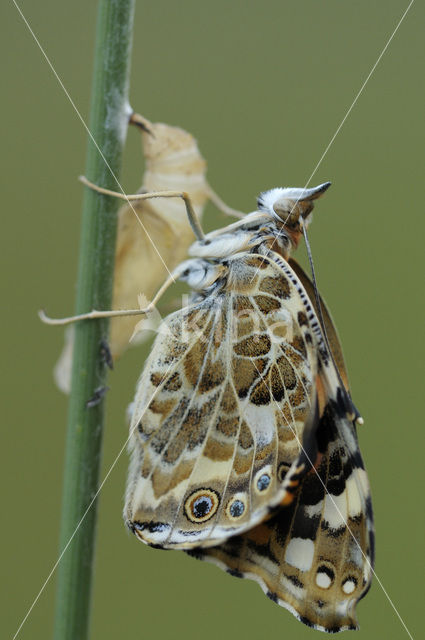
153,236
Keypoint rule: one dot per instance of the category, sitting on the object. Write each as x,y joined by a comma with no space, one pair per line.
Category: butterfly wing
331,330
220,409
313,557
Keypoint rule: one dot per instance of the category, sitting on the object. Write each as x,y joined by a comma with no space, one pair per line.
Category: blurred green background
263,87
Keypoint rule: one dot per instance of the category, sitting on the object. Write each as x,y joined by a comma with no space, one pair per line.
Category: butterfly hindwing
313,557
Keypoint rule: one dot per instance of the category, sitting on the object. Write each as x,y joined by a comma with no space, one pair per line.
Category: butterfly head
291,206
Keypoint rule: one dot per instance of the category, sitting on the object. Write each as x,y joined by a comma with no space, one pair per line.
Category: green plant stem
108,125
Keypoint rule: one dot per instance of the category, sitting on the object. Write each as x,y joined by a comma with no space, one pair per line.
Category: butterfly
243,438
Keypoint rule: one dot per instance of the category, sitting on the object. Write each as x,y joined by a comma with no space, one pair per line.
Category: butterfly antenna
352,408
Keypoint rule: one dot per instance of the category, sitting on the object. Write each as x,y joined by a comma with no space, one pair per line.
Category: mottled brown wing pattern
221,407
315,556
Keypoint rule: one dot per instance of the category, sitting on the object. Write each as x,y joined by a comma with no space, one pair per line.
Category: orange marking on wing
317,463
289,496
288,499
260,534
321,395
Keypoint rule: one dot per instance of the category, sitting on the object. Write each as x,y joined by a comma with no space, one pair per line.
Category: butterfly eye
236,507
325,576
201,505
262,480
349,585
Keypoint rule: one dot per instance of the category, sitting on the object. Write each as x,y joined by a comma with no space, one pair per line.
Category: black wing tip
273,596
235,573
195,553
333,629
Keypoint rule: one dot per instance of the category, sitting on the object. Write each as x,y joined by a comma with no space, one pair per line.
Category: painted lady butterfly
243,434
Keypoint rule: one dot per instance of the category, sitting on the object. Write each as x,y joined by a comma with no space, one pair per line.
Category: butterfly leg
191,213
92,315
143,123
95,314
222,206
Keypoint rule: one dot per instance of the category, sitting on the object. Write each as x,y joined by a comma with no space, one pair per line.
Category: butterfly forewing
331,331
221,407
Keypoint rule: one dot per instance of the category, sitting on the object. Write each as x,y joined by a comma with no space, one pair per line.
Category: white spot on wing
300,553
354,501
280,325
262,424
312,510
335,513
323,580
364,482
356,555
348,586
